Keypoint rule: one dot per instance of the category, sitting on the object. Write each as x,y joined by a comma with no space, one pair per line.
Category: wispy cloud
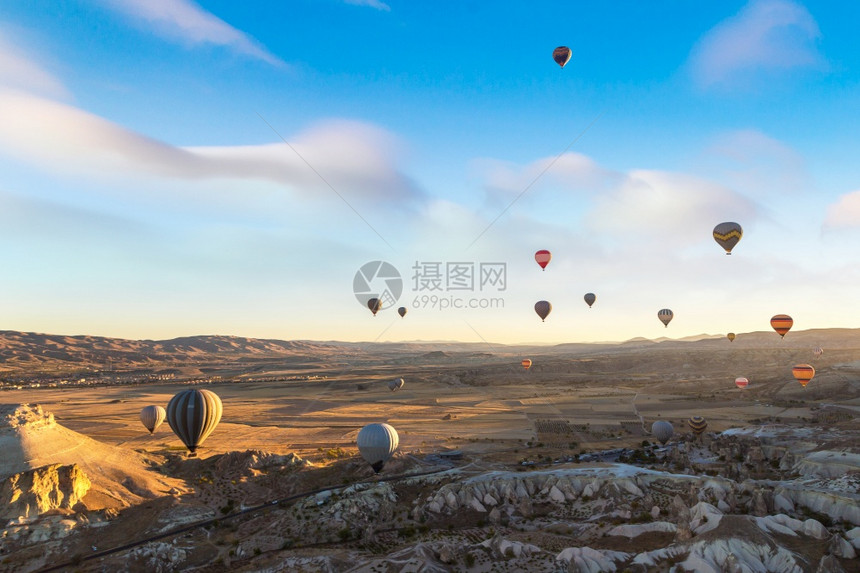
371,4
187,22
765,35
19,71
845,212
357,158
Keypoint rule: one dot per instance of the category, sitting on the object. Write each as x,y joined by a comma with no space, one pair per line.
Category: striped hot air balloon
818,352
152,417
543,308
727,235
193,415
377,443
665,315
741,382
781,323
562,55
527,363
698,424
803,373
396,384
543,257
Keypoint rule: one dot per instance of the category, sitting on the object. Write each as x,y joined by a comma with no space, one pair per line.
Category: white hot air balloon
377,443
662,430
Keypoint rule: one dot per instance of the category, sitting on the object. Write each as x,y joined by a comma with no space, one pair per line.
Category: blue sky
145,190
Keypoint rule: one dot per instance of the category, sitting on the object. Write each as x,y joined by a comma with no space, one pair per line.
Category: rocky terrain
765,498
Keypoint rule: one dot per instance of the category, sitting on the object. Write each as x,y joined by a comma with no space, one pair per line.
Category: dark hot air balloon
665,315
562,55
543,308
781,323
401,311
590,299
374,304
192,415
396,384
152,417
727,235
376,444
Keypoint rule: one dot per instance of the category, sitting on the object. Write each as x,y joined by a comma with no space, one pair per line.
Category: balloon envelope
818,352
698,424
727,235
562,55
396,384
526,363
731,336
401,311
376,444
662,430
590,299
152,417
193,415
543,308
781,323
803,373
543,257
741,382
665,315
374,304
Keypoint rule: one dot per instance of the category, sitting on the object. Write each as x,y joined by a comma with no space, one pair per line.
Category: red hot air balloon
526,363
781,323
741,382
543,257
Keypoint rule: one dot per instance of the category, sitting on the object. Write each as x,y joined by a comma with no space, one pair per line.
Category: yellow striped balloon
803,373
698,424
727,235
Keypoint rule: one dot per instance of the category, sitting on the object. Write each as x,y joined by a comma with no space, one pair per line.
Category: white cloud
356,158
764,35
845,212
370,3
188,22
19,71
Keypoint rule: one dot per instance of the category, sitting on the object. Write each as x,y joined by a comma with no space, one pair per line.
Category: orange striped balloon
803,373
526,363
781,323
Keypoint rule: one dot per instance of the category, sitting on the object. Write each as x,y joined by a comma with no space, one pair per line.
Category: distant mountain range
22,351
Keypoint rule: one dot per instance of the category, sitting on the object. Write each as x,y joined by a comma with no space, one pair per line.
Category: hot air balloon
401,311
698,424
376,444
662,430
526,363
561,55
818,352
374,304
396,384
741,382
727,235
665,315
192,415
803,373
543,308
152,417
543,257
590,298
731,336
781,323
